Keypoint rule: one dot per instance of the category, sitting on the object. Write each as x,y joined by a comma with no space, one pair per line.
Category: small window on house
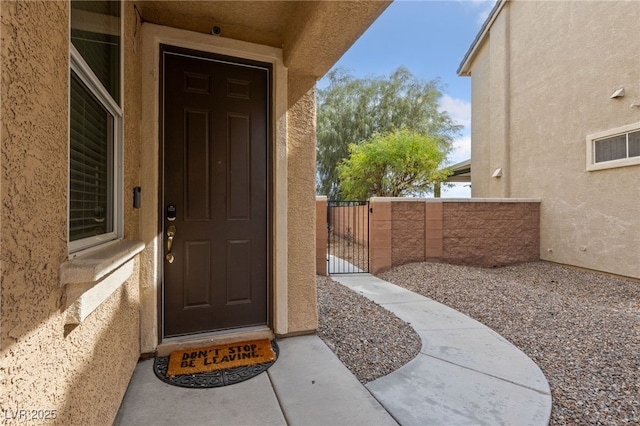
633,140
95,124
614,148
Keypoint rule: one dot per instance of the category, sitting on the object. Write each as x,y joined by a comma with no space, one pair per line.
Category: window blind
90,164
611,149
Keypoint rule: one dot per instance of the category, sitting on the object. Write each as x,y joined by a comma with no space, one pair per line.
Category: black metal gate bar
348,237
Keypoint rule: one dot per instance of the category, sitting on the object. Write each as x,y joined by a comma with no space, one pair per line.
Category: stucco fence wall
477,232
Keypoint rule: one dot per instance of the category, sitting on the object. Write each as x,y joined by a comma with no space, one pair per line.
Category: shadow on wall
79,374
103,371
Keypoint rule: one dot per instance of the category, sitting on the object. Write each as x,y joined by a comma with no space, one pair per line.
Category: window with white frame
95,124
618,147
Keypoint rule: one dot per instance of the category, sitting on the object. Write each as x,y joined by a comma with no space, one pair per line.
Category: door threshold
192,341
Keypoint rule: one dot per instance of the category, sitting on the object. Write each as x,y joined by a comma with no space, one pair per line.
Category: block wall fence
475,232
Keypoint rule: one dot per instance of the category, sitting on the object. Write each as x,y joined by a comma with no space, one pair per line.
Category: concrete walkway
464,374
307,385
336,265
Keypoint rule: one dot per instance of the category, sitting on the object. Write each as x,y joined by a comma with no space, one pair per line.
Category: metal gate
348,239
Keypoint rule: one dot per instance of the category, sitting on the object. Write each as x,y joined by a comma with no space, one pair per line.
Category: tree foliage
351,110
396,164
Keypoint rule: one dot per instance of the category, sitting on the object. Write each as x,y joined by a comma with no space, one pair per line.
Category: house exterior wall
547,70
481,124
80,369
77,372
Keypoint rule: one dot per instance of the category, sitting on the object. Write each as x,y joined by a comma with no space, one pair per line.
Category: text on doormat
201,360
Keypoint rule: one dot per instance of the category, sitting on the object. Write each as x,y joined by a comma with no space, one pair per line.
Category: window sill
90,279
614,164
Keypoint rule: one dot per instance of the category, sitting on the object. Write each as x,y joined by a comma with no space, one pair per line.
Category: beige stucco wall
80,371
301,153
559,62
132,106
481,124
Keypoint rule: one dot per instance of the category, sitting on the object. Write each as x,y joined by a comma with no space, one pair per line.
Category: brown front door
215,121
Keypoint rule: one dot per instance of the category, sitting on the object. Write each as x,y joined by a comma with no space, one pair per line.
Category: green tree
395,164
351,110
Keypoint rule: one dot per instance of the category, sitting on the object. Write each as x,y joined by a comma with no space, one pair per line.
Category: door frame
150,172
239,63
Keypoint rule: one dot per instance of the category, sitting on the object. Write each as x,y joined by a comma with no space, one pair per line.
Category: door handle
171,232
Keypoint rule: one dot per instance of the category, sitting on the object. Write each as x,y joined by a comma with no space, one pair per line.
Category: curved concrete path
465,372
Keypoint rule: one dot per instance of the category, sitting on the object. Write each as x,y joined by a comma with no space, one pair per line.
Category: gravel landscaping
368,339
581,328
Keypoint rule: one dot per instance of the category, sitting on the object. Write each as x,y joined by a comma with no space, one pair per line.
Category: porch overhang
313,35
461,172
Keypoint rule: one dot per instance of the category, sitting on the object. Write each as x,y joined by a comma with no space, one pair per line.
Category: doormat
220,357
216,366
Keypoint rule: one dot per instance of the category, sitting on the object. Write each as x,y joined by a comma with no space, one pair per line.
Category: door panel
239,174
215,115
238,267
198,166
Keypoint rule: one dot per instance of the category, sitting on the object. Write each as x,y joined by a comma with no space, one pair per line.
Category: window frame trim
591,140
83,71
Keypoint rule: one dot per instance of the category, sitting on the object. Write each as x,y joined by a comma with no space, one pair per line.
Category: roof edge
460,166
463,69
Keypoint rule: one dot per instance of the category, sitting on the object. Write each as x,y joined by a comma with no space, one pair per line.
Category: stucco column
301,211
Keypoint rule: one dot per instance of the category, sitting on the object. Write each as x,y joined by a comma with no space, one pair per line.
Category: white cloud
461,150
459,110
458,190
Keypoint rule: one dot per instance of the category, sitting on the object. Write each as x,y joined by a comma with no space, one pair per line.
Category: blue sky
430,38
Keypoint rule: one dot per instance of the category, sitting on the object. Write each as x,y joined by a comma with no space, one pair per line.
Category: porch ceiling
312,34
